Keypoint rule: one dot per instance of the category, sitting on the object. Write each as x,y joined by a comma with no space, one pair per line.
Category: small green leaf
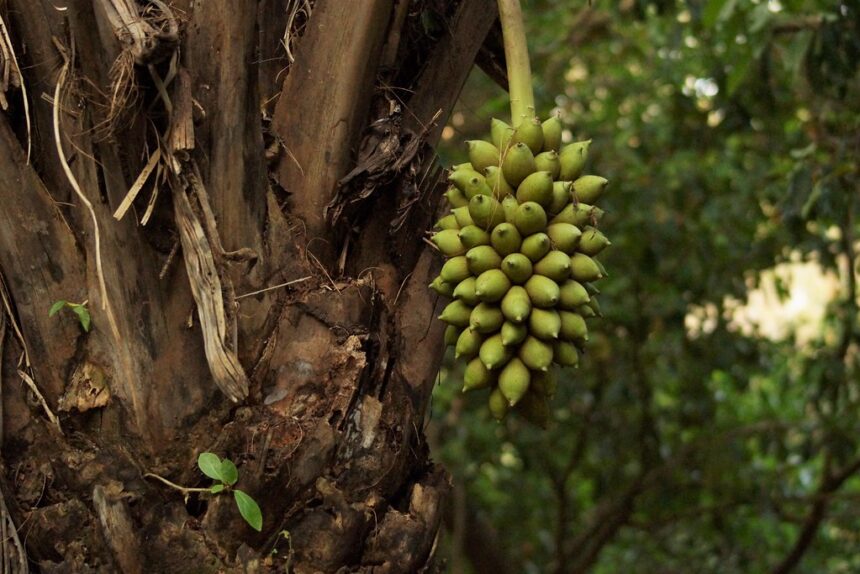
83,316
210,465
56,307
249,510
229,472
216,488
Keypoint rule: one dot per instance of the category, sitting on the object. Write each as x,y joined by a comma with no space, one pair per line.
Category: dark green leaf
83,316
216,488
229,472
56,307
249,509
210,465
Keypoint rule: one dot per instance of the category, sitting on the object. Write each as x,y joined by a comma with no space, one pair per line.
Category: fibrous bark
280,266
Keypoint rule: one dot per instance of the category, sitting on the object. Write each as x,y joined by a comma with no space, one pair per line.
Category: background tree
690,439
230,196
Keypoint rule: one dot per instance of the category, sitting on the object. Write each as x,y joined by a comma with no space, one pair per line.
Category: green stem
185,490
517,57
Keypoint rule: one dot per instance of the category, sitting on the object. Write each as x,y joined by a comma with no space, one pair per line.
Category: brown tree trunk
264,293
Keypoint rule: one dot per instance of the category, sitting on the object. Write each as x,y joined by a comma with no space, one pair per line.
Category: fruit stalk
517,57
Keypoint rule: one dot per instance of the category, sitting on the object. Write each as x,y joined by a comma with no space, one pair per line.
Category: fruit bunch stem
517,57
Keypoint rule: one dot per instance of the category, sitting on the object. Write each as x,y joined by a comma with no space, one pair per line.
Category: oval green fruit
501,188
594,305
552,129
543,291
465,290
456,198
516,305
572,295
555,265
564,237
452,333
529,132
482,258
509,206
544,323
494,354
448,242
462,216
497,404
548,161
486,211
483,154
572,158
476,376
536,246
593,241
530,218
579,214
442,287
536,354
457,313
513,334
464,177
589,188
560,197
467,165
447,222
468,344
473,236
517,267
587,311
583,268
536,187
491,285
514,381
486,318
565,354
573,327
518,163
505,239
501,133
455,270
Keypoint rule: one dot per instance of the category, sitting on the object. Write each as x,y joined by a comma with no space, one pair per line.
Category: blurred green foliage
730,133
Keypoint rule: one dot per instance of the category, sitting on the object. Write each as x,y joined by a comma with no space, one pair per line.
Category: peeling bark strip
206,288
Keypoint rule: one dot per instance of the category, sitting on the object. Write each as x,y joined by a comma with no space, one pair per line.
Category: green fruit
472,236
591,288
483,154
565,354
468,344
497,404
536,246
572,159
573,327
464,177
564,236
518,164
514,381
457,313
448,242
456,197
551,133
476,376
572,295
534,408
486,211
560,197
462,216
516,305
600,266
544,323
536,187
579,214
589,188
593,241
501,188
543,291
493,352
509,206
482,258
536,354
465,290
584,268
548,161
486,318
530,218
500,133
517,267
452,333
447,222
529,132
555,265
513,334
467,165
442,287
491,285
587,311
455,270
594,305
545,382
505,239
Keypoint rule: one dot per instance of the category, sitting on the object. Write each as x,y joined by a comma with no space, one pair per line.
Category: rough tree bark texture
318,173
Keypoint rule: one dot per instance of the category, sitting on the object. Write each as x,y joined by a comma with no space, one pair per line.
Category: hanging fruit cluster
520,242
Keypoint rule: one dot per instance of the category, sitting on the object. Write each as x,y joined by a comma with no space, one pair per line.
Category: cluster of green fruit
520,241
